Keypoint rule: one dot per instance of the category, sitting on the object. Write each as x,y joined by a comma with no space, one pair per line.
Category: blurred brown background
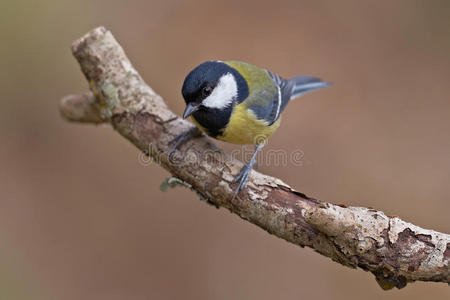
81,218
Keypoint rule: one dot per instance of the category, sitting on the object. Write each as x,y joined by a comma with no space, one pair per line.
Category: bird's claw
242,177
245,172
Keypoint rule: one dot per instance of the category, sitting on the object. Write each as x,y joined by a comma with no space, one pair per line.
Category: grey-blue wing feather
305,84
297,86
281,99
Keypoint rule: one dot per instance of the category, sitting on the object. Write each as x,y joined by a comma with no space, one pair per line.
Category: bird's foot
242,177
245,172
183,137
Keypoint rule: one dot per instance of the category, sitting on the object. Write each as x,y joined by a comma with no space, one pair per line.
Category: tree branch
396,252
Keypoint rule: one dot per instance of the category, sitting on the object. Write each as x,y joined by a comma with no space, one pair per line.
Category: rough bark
396,252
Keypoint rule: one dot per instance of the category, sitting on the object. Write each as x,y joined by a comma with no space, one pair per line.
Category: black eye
206,91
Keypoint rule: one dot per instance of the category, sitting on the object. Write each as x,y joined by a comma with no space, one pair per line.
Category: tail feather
305,84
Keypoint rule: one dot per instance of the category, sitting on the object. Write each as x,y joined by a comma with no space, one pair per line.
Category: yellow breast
245,128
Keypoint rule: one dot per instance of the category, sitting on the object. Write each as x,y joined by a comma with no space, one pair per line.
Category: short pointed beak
190,109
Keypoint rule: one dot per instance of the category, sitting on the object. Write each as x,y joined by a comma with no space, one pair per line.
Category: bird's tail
305,84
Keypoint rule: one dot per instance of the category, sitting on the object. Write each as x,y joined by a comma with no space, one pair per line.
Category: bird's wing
267,100
269,93
284,91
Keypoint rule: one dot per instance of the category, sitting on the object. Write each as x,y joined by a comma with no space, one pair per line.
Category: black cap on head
201,81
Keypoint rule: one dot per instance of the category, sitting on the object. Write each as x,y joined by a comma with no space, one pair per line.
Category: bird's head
213,85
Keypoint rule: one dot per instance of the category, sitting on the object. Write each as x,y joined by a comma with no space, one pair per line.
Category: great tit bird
239,103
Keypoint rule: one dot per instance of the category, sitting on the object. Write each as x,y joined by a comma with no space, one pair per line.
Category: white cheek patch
223,94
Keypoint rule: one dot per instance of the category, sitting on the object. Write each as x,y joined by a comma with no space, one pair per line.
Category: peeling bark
396,252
